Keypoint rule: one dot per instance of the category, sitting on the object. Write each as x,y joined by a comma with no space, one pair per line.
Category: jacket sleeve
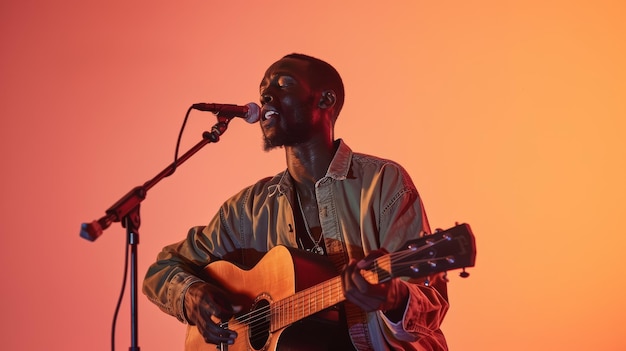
403,219
227,236
181,264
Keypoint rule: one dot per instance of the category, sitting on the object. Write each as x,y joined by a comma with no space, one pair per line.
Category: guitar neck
312,300
306,303
274,306
434,253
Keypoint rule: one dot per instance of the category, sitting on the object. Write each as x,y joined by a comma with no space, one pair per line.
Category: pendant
318,250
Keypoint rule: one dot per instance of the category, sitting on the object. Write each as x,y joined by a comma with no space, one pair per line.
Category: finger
358,280
215,334
236,308
226,336
223,312
368,260
358,291
354,280
347,274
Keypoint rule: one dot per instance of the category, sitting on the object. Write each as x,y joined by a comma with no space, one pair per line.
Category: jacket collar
338,170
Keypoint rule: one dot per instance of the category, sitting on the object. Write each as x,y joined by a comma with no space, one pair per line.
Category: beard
296,134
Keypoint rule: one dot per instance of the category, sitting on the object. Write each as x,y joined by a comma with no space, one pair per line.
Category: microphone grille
254,113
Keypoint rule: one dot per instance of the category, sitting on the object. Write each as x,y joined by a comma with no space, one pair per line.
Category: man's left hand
390,297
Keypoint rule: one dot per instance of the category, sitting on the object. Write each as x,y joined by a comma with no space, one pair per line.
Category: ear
328,99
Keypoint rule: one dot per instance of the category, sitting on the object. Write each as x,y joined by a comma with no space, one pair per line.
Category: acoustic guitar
288,285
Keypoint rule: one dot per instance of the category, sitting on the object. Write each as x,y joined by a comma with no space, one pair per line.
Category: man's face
289,112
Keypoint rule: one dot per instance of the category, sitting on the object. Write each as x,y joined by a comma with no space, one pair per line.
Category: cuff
395,327
177,293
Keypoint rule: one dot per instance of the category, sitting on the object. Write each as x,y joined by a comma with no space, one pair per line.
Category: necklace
316,243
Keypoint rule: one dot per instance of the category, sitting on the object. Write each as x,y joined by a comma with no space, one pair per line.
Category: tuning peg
464,274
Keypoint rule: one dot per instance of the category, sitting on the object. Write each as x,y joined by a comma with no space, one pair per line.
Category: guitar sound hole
259,327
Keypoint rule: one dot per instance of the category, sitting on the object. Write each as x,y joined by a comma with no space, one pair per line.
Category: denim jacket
365,203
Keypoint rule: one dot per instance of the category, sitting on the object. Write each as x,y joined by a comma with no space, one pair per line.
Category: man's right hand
203,301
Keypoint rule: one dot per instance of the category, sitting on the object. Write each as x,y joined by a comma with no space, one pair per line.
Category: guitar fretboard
305,303
315,299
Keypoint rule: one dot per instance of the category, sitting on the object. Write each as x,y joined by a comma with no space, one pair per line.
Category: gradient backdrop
510,116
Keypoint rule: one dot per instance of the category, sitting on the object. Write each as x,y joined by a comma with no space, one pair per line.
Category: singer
330,215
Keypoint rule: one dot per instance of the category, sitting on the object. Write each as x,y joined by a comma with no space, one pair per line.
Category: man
348,206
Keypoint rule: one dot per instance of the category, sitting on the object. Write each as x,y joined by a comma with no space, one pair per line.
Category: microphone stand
126,211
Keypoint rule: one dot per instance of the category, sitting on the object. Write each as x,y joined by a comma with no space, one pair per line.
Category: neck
308,162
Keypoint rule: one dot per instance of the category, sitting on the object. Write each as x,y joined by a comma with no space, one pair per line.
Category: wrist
395,310
189,300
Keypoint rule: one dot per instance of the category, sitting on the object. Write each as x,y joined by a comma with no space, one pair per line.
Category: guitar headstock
441,251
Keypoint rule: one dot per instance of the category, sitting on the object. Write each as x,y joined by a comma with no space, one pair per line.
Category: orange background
508,115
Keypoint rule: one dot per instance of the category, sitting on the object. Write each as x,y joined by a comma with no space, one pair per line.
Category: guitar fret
305,303
441,251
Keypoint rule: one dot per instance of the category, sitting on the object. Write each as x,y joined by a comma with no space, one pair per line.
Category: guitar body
288,289
281,273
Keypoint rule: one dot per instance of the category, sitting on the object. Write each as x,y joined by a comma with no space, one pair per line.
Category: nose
265,98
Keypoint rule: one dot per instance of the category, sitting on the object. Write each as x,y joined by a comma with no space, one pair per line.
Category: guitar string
330,288
383,274
403,254
261,314
302,302
376,270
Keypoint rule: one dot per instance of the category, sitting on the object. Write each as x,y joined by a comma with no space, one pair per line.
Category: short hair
324,75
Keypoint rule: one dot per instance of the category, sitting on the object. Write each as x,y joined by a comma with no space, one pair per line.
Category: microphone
250,112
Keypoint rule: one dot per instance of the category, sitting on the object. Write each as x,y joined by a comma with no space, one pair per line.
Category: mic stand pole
126,210
131,223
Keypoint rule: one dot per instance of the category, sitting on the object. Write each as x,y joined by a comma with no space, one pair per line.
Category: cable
119,301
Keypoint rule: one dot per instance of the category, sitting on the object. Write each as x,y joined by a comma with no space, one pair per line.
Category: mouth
269,115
